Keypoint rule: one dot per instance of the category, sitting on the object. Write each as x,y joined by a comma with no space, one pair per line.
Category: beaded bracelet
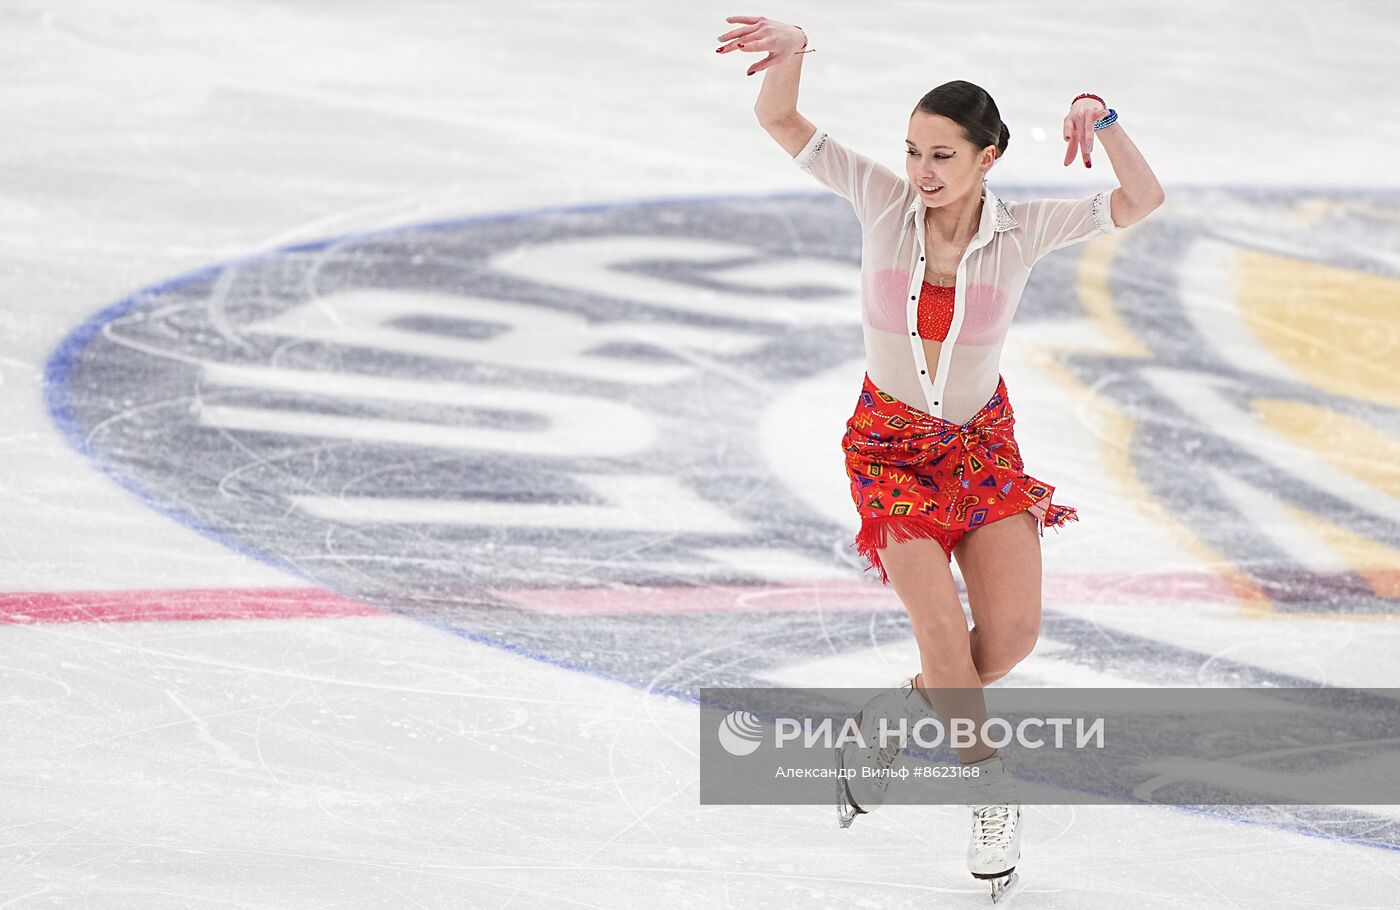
1085,95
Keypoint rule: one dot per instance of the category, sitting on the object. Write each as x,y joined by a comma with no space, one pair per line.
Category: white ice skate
862,794
996,827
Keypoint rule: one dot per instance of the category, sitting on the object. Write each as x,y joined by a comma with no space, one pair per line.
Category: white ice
378,761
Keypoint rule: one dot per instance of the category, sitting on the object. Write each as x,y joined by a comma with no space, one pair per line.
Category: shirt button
921,259
913,333
911,297
921,372
935,402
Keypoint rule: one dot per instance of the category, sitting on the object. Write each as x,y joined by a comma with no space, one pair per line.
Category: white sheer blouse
954,378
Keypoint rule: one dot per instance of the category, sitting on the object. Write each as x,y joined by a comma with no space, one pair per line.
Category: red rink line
192,604
177,605
854,595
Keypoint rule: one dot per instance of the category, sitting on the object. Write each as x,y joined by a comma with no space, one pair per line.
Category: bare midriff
931,349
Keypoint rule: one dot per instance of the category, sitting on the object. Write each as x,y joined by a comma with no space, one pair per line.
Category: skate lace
890,750
992,823
885,758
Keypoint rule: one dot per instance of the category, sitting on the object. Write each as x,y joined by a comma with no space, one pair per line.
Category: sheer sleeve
1052,224
874,190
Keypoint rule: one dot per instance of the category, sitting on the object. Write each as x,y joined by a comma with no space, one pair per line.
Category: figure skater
930,452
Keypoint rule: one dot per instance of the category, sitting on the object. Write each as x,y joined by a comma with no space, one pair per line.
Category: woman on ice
934,467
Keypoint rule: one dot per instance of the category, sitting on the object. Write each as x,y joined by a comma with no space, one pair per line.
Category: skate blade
846,811
1000,886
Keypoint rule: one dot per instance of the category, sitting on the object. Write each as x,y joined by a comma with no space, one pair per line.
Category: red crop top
936,311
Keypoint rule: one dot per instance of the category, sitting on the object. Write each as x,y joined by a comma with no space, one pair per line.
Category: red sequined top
935,311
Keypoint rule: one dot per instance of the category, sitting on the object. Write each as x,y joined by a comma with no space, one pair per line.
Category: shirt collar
995,215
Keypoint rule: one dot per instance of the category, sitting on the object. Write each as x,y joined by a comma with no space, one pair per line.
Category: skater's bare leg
923,580
1000,565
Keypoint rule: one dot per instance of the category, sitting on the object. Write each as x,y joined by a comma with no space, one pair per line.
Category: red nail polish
1088,164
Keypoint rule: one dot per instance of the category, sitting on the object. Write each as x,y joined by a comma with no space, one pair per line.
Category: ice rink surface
409,406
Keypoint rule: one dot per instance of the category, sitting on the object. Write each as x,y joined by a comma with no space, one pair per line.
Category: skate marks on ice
430,416
444,416
441,420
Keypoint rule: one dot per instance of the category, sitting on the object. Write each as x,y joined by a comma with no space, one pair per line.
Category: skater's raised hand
761,35
1079,128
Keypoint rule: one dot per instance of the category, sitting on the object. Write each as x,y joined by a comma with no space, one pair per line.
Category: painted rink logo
436,418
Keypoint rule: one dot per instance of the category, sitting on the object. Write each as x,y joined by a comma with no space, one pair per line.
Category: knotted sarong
916,475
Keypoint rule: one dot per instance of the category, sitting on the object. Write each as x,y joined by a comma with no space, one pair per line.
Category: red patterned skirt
916,475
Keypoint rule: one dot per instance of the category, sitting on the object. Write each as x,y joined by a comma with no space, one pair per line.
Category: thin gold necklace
937,275
940,276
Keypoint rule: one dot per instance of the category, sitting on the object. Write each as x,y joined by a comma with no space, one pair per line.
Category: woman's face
938,155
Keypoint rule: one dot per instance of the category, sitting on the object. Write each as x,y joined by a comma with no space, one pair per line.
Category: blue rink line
58,369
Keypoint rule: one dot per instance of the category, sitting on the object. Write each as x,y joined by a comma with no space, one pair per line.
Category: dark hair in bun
970,107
